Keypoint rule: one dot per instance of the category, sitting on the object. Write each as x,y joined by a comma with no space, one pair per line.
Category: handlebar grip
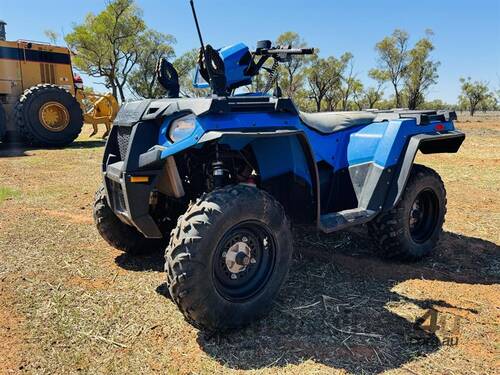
308,51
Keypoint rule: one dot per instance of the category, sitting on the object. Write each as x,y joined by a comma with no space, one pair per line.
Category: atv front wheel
411,230
48,115
118,234
228,257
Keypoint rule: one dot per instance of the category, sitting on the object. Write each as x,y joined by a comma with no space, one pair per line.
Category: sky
467,32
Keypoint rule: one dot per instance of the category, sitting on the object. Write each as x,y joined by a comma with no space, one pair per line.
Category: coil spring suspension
273,76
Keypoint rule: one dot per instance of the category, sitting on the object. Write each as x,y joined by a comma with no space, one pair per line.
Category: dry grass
69,303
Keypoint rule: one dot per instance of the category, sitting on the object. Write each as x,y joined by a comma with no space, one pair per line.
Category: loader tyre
118,234
412,228
48,115
228,257
3,124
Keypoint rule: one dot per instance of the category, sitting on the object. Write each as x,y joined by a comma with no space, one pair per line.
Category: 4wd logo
433,322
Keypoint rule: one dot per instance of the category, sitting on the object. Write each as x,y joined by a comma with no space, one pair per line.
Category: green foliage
421,72
153,46
436,104
474,94
292,72
490,103
393,60
410,71
185,66
109,44
323,77
347,79
372,96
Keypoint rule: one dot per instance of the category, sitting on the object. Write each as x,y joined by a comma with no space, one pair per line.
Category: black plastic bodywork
449,142
130,201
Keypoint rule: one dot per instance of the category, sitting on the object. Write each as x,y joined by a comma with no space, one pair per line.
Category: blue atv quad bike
217,181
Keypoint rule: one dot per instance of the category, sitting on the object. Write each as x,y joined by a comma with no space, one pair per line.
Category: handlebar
284,51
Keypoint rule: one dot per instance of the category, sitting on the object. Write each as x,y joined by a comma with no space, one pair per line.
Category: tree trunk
113,89
412,102
120,90
396,93
318,102
113,86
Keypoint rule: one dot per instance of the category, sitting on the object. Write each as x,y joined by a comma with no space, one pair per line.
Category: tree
358,94
153,46
473,93
52,36
292,71
185,66
322,77
333,98
437,104
393,60
372,95
490,103
349,80
421,72
108,44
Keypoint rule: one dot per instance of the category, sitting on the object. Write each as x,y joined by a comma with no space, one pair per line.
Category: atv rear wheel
411,230
118,234
228,257
48,115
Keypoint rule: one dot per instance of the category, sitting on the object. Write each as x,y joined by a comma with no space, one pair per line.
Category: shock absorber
218,174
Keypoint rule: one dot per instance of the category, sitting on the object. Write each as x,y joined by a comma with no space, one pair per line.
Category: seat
329,122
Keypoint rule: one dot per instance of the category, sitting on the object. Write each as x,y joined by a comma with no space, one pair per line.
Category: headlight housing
182,128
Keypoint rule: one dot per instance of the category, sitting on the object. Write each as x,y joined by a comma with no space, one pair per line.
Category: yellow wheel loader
41,101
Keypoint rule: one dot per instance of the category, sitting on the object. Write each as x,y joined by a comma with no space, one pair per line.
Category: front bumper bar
130,201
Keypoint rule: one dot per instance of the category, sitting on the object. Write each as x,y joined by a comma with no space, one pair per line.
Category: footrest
340,220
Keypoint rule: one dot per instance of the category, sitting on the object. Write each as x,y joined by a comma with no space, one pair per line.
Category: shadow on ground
19,149
87,144
151,262
13,150
333,308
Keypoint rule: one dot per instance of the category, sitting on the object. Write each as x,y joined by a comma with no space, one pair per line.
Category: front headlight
182,128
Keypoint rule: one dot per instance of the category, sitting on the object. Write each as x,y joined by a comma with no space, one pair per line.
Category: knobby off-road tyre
118,234
411,230
48,115
3,124
236,222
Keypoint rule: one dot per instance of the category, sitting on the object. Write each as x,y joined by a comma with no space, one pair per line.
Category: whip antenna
197,27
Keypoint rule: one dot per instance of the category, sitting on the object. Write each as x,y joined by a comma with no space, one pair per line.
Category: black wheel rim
423,215
244,261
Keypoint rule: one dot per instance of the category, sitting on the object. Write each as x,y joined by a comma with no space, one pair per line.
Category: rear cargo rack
423,117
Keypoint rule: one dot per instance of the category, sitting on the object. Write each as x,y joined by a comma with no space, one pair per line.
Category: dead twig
355,333
305,306
109,341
